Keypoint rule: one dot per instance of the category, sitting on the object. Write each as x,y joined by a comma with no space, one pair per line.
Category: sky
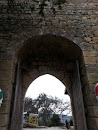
49,85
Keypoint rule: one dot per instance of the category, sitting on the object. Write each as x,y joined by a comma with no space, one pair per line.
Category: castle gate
57,37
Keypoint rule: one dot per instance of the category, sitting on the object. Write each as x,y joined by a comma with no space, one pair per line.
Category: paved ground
52,128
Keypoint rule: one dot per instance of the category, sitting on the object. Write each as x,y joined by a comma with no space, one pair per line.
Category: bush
55,121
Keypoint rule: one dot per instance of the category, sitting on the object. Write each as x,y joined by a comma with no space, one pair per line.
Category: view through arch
44,98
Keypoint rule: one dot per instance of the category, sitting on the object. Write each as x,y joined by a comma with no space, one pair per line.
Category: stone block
92,77
6,85
5,107
4,120
96,33
6,75
90,100
94,28
86,90
66,81
6,95
91,4
92,88
95,39
42,69
84,18
6,65
87,39
4,128
60,75
92,111
96,47
92,123
92,68
90,53
90,60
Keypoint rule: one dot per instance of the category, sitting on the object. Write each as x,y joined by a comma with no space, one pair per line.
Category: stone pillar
89,77
78,103
6,83
17,107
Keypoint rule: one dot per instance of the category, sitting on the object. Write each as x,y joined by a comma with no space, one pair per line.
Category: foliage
60,107
44,109
29,106
55,121
45,106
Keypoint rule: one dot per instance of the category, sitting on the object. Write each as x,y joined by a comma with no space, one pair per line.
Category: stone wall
6,84
72,19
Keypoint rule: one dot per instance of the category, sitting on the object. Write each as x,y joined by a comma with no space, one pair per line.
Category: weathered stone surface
6,65
5,108
93,111
92,68
95,39
7,94
91,100
96,46
4,119
68,83
90,53
4,128
86,90
91,4
92,123
84,80
6,75
95,28
87,39
96,33
6,85
92,77
76,20
90,60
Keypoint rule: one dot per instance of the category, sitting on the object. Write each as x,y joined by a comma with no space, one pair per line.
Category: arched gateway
53,55
26,52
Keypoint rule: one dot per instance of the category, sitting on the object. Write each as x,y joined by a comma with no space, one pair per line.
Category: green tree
30,106
45,106
55,120
43,103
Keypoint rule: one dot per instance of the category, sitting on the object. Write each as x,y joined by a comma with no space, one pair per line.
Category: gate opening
44,99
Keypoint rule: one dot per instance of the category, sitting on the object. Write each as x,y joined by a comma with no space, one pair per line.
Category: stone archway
57,56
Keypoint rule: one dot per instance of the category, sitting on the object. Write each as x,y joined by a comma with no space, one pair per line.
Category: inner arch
48,47
47,84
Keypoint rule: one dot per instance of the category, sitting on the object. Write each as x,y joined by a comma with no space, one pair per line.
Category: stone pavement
48,128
